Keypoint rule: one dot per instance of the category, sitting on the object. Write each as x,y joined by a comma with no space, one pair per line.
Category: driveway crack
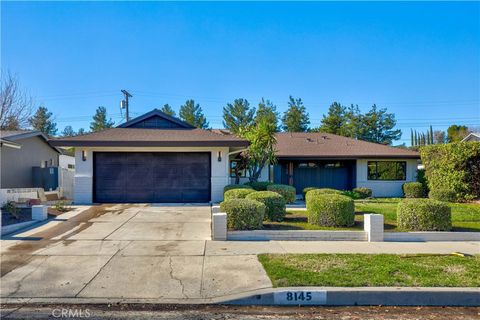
19,285
170,264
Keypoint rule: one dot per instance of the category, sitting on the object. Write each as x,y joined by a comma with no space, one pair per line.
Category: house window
233,166
387,170
307,165
333,165
71,166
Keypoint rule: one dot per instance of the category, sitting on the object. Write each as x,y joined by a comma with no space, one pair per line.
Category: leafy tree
68,132
238,115
168,110
81,131
262,148
456,133
100,121
43,121
193,114
268,111
378,126
15,104
296,118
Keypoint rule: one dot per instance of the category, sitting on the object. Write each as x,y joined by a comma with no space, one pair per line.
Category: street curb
375,296
320,296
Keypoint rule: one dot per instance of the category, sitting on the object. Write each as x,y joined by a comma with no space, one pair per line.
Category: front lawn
371,270
465,216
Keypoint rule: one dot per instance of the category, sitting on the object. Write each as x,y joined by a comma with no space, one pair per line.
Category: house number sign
300,297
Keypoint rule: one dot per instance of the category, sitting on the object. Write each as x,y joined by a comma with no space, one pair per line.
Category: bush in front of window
275,205
237,194
424,215
287,192
330,210
243,214
362,192
235,186
413,190
443,195
259,185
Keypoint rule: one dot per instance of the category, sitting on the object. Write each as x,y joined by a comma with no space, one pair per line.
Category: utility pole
127,95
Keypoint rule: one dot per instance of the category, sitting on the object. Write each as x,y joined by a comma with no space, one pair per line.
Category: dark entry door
151,177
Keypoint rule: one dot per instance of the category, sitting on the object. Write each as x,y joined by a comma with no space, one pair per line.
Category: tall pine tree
379,126
100,121
296,118
267,111
43,121
193,114
168,110
238,115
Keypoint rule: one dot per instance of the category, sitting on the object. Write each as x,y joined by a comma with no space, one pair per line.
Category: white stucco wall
64,161
84,169
382,188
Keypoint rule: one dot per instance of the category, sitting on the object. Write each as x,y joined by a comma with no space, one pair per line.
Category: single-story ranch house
159,158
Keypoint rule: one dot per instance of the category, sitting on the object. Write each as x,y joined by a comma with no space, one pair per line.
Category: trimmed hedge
323,191
362,192
330,210
424,215
275,205
453,166
413,190
237,194
259,185
235,186
243,214
287,192
443,195
305,190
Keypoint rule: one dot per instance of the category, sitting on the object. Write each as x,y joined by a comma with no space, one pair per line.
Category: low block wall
306,235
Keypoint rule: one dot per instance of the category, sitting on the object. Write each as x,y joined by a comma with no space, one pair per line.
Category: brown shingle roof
152,137
325,145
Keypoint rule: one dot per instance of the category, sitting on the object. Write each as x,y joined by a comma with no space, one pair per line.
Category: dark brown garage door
151,177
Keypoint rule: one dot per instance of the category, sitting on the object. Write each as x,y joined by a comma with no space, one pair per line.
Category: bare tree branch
15,104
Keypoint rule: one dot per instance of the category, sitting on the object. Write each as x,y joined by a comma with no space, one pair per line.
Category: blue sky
420,60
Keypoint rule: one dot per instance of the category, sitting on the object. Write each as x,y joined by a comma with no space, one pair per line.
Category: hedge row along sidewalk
371,270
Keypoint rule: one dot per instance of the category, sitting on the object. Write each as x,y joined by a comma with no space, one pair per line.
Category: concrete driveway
126,252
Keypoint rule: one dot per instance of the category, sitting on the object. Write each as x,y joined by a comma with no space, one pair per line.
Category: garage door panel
152,177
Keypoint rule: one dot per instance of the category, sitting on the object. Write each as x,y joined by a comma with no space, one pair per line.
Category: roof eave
341,157
146,143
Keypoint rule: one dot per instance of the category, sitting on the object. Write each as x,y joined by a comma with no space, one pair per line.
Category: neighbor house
159,158
472,136
23,154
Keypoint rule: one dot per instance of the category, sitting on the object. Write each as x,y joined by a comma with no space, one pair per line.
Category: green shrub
323,191
362,192
243,214
413,190
237,194
259,185
12,209
422,178
453,166
330,210
424,215
287,192
274,204
235,186
305,190
442,195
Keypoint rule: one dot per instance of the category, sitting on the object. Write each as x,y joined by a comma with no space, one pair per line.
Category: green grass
371,270
465,216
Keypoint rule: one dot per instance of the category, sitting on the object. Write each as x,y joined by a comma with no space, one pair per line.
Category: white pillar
373,226
39,213
219,226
